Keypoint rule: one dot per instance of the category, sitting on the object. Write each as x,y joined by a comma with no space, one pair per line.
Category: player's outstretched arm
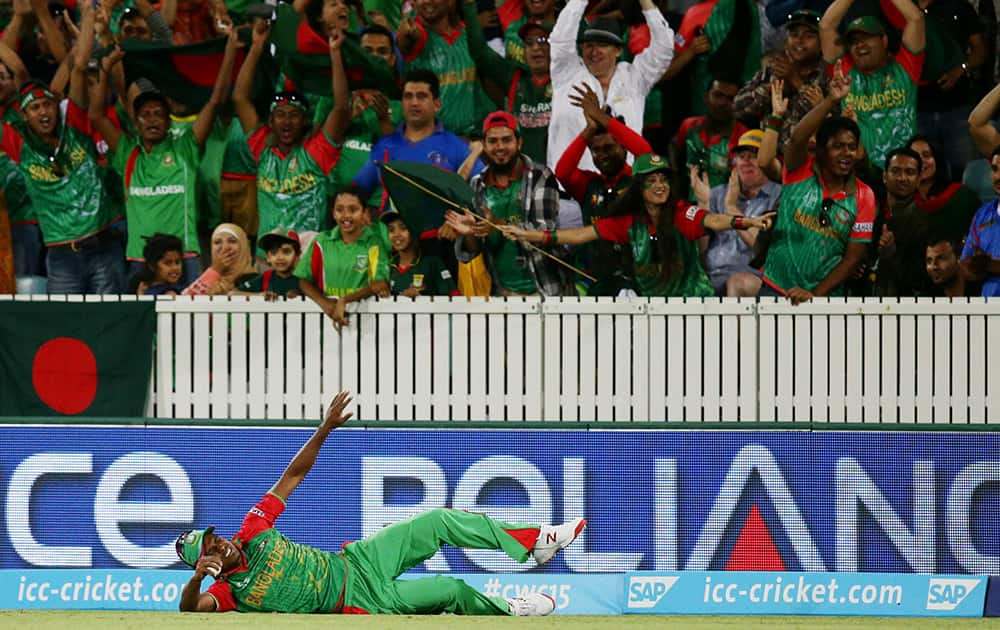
192,599
303,461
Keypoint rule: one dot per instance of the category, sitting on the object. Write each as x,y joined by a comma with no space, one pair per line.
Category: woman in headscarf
231,262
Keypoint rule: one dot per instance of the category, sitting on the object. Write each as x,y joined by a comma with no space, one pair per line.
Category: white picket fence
568,360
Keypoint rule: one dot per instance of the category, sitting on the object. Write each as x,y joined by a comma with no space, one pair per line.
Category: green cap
865,24
189,545
650,163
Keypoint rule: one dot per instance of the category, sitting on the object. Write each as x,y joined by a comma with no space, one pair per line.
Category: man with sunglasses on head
60,165
292,165
526,87
826,214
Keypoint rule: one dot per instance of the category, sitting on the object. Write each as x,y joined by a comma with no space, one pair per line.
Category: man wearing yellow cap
748,193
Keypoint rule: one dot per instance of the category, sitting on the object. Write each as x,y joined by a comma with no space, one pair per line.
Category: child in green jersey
348,263
260,570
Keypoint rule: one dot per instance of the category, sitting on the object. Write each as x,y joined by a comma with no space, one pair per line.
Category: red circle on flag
64,374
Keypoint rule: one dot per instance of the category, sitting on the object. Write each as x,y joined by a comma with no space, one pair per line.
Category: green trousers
375,562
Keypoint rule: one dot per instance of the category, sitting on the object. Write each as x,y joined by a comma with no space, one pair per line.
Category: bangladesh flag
64,358
187,73
304,56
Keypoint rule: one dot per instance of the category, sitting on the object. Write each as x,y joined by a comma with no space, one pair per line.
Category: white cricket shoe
531,605
552,538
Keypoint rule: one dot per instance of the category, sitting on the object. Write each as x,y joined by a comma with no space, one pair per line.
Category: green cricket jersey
291,189
511,267
709,153
690,279
278,575
463,102
338,268
64,183
427,274
885,101
803,251
160,188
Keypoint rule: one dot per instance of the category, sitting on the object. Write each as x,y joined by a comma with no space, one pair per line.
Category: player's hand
586,99
411,292
812,93
335,415
460,224
979,262
208,565
798,295
112,58
339,314
380,104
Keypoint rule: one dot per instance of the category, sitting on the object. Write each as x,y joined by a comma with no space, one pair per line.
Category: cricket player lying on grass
260,570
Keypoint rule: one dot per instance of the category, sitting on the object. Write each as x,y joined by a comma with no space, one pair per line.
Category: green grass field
95,620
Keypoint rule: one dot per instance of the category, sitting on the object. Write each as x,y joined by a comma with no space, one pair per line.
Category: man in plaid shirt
511,189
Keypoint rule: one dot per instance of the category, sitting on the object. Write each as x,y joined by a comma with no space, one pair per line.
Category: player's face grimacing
224,549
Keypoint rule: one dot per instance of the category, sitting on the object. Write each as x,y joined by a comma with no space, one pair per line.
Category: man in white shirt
621,86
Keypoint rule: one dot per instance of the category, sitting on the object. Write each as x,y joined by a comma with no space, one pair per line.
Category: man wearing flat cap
620,86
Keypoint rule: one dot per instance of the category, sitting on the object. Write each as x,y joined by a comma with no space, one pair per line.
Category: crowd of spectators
791,148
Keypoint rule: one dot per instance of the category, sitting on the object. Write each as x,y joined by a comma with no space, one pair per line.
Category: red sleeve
421,42
260,517
638,38
76,117
258,142
614,229
685,127
567,172
322,149
864,221
689,220
223,594
633,142
11,142
913,63
801,173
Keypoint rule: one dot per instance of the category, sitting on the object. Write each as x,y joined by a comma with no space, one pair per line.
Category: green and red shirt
278,575
885,101
530,102
463,103
803,251
712,154
160,188
637,231
65,183
338,268
427,274
511,266
291,189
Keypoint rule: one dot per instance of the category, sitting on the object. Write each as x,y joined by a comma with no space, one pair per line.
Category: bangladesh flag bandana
75,359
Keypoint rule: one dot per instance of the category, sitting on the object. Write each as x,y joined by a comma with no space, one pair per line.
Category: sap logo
646,592
947,594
